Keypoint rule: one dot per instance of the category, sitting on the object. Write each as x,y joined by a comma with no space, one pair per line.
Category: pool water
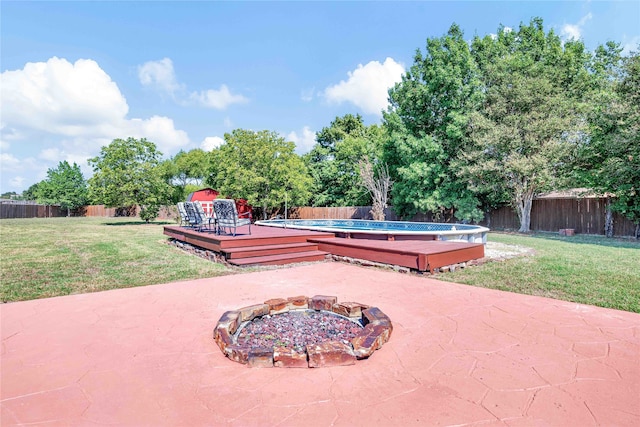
361,228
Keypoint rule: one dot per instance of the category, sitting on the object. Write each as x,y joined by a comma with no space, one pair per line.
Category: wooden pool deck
421,255
276,246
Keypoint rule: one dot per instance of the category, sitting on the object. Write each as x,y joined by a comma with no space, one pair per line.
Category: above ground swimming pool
386,230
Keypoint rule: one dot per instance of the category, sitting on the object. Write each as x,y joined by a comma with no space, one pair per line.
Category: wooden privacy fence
30,210
349,212
166,212
98,210
585,215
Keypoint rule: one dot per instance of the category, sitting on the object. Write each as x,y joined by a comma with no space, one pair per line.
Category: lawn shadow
590,239
140,223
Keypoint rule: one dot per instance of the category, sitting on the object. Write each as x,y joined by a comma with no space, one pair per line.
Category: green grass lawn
42,258
46,257
585,269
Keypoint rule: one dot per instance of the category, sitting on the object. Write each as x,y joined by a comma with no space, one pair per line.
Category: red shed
206,196
243,206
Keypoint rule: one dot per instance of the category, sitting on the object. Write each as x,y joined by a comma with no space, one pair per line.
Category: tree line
472,126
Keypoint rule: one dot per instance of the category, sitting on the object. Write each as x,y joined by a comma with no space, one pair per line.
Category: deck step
280,259
264,250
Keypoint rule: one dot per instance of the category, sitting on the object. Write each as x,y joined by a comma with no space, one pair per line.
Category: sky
77,74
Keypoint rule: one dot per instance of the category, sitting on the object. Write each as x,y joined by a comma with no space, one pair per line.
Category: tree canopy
608,161
333,161
260,167
126,174
428,128
473,126
533,113
186,172
65,186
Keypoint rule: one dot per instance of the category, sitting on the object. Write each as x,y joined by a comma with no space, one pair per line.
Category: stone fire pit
345,332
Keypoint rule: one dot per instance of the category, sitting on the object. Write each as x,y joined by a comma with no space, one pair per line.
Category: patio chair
227,216
195,220
209,219
184,218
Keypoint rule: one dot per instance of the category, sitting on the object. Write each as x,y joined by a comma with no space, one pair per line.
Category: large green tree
333,161
186,172
533,114
260,167
127,173
31,193
65,186
474,126
609,160
428,127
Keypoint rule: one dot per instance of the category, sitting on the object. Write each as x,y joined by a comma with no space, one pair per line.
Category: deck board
259,236
421,255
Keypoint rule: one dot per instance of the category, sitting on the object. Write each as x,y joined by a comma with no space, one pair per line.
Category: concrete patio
458,355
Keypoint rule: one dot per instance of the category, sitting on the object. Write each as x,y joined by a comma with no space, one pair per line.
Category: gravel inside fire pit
297,329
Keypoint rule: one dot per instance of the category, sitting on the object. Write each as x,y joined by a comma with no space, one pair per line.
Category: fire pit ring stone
376,330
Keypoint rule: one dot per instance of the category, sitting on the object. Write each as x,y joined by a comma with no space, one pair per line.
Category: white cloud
630,45
574,31
494,36
218,99
367,86
159,74
305,141
308,94
15,169
60,97
211,142
68,111
570,31
51,154
16,182
9,162
8,134
228,123
159,130
80,160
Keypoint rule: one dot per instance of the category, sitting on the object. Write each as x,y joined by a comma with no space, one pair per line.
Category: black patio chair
195,220
227,216
184,218
207,219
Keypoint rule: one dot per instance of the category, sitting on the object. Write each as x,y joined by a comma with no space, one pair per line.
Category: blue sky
76,75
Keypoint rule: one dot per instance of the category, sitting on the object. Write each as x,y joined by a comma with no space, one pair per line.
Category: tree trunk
608,220
638,231
377,211
524,212
378,186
